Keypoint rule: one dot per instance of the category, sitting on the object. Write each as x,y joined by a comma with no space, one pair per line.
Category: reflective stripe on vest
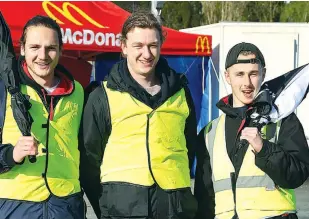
256,194
143,139
25,182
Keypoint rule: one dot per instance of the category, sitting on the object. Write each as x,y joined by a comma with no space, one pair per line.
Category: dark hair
142,20
44,21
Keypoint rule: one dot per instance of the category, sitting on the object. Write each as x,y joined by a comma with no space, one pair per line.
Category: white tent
285,46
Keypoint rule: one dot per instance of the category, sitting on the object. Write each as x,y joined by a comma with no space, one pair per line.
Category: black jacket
286,162
96,122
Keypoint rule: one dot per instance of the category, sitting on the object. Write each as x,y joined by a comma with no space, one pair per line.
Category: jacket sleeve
203,187
92,135
191,129
286,162
6,157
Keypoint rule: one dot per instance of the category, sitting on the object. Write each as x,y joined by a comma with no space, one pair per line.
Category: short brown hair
44,21
142,20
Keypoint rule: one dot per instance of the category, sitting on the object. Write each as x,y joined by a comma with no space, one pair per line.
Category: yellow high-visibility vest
26,181
146,143
256,194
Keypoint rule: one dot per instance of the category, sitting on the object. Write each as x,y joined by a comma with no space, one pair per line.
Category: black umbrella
280,83
288,91
279,97
8,73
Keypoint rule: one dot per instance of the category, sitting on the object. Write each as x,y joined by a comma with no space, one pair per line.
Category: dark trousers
71,207
126,201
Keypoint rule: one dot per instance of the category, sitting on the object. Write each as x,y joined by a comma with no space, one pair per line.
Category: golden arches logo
66,13
203,43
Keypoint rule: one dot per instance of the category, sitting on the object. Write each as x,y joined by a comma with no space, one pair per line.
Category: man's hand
26,145
252,135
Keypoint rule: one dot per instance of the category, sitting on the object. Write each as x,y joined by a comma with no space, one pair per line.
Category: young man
140,132
253,180
48,188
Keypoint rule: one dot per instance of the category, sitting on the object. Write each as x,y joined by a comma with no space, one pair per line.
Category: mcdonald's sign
202,45
66,13
85,35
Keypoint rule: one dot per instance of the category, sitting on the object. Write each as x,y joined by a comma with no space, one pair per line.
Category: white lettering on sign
89,37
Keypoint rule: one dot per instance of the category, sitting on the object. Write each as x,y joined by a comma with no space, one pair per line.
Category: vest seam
109,125
148,149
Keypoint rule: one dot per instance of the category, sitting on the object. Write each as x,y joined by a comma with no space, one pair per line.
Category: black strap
251,61
3,95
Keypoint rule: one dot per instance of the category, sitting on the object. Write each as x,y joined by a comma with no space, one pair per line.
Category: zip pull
153,110
150,114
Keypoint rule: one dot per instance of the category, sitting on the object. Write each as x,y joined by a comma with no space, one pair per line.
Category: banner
92,27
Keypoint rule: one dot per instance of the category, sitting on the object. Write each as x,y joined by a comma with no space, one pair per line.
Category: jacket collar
120,79
65,87
226,105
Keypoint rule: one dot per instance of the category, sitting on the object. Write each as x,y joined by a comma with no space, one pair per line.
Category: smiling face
41,50
245,80
142,49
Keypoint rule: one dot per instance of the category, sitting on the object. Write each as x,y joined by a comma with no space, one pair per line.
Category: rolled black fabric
8,73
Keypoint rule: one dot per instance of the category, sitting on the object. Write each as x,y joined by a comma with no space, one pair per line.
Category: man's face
142,49
41,50
245,79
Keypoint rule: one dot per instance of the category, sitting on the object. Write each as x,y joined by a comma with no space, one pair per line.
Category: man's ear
263,73
22,50
123,49
227,77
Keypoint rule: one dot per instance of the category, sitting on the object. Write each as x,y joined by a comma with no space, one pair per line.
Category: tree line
187,14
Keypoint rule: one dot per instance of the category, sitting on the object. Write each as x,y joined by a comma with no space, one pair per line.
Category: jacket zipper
45,209
233,174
